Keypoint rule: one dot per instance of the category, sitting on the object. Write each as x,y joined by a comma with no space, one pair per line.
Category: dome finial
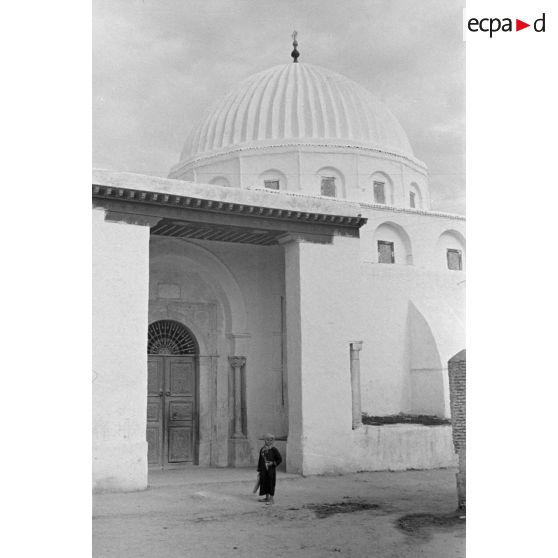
295,54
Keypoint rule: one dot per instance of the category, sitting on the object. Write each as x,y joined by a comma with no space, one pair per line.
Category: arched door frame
167,397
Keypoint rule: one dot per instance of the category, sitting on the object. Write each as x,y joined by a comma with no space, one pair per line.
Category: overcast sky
157,64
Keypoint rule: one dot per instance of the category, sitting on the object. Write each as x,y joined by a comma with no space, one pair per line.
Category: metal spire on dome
295,54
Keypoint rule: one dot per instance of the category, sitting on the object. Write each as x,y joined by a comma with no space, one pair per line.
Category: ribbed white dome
297,103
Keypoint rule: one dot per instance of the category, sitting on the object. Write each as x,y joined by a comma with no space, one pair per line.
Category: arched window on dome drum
328,186
379,192
415,197
167,337
271,184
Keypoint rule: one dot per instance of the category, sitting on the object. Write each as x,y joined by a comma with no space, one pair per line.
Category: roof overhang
209,212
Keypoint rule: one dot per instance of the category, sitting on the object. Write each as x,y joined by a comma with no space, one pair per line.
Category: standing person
268,461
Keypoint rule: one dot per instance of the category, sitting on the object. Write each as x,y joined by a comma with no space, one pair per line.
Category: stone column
356,347
237,362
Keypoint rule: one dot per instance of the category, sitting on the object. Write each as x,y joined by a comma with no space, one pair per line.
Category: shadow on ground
422,525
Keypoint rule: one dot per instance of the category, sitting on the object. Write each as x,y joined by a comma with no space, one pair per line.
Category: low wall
394,447
402,446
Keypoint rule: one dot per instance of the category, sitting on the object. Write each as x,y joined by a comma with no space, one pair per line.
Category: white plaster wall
429,375
430,392
336,294
205,171
385,356
322,283
220,181
120,291
425,232
388,356
413,317
321,324
399,447
385,448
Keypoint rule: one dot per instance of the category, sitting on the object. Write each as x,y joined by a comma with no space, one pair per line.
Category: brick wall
457,371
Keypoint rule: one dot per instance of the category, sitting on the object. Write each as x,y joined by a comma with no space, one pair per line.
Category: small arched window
451,250
382,188
379,192
386,252
415,198
393,244
273,179
328,186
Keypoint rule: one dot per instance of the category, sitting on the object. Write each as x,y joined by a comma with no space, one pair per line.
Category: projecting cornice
153,191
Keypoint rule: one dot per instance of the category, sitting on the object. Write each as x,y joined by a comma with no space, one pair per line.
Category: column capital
356,345
237,361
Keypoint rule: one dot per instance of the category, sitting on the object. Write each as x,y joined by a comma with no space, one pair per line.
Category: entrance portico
264,346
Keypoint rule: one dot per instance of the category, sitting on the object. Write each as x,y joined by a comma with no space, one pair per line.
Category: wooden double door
171,411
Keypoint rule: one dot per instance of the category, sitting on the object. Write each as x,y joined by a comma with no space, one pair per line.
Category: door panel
171,410
154,445
180,381
179,411
180,444
155,421
181,376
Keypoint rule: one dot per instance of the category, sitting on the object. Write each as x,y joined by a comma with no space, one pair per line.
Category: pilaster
240,454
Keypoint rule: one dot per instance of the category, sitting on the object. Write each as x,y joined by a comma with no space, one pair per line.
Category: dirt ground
213,513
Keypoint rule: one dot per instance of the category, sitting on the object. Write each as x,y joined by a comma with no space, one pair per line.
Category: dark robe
267,474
